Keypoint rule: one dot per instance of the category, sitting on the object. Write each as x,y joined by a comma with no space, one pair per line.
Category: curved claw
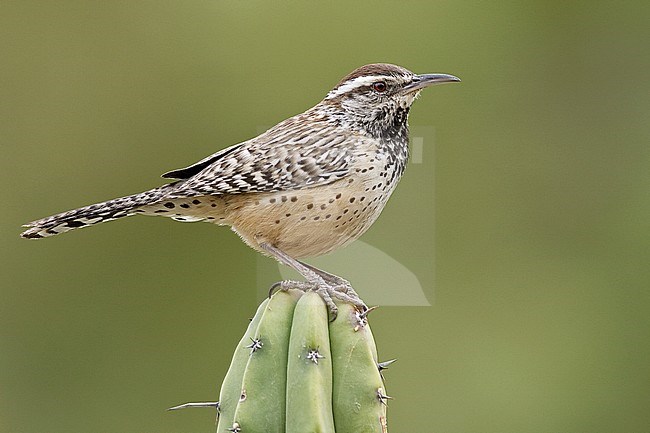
274,288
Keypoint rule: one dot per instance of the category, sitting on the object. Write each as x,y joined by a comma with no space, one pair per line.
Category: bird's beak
425,80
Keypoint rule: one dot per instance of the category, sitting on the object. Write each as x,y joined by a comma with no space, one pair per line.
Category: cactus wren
307,186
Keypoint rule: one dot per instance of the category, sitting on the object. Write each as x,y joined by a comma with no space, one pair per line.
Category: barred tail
93,214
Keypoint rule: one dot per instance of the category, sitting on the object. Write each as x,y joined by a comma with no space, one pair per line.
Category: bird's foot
328,291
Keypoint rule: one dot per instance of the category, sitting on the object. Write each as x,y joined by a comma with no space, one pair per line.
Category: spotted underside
328,217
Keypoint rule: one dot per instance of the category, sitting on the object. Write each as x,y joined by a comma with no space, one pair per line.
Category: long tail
93,214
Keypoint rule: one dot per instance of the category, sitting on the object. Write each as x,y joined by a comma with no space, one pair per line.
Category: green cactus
296,372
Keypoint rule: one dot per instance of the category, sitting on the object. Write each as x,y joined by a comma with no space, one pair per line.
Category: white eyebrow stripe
354,84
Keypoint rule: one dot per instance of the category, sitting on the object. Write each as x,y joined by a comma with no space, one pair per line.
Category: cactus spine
296,372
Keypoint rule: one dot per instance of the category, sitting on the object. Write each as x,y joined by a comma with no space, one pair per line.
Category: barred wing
287,157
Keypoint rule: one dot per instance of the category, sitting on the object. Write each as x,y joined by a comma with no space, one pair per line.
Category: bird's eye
379,87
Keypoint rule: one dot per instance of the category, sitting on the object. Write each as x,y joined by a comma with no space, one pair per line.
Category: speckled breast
314,221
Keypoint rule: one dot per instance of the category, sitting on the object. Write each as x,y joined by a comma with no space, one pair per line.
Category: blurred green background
541,202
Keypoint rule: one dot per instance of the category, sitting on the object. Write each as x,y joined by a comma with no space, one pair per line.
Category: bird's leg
326,285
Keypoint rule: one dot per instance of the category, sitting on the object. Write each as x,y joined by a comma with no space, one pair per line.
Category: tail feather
93,214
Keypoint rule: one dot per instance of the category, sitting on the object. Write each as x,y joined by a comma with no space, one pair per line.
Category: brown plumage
307,186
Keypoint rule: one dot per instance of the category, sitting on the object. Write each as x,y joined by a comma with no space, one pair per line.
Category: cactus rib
231,387
355,401
262,406
309,369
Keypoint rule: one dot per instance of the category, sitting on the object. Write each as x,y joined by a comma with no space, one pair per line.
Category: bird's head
377,97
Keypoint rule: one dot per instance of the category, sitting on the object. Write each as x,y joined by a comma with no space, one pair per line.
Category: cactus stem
314,356
342,392
383,398
235,428
214,404
255,345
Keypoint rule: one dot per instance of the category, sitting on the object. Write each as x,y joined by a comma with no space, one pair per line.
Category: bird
307,186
